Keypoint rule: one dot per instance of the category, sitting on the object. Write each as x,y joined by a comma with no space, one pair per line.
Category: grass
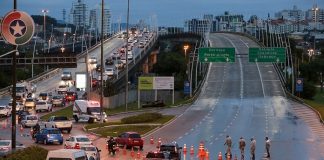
96,125
115,131
67,111
29,153
317,102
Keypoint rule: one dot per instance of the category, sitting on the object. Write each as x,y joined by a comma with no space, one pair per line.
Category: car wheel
141,148
69,130
45,141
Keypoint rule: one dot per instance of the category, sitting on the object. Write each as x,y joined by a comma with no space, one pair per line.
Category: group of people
242,144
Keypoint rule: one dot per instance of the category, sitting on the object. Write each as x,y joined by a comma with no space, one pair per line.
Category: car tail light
77,146
61,135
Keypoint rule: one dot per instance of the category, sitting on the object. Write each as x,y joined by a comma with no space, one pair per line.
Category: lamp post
186,47
315,9
44,13
102,64
126,54
310,54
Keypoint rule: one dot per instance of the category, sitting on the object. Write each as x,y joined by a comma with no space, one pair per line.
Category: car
76,142
141,45
172,149
29,121
5,111
49,135
66,76
109,71
123,59
44,96
119,64
109,61
71,96
19,106
30,104
58,100
155,156
130,55
62,89
93,60
94,82
5,147
130,139
66,154
93,153
20,98
98,68
43,105
22,114
116,57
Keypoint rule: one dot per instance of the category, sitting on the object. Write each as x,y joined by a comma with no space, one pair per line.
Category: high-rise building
310,14
198,25
95,20
79,14
230,22
294,14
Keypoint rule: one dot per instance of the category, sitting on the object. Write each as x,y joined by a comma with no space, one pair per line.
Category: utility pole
126,54
14,79
102,64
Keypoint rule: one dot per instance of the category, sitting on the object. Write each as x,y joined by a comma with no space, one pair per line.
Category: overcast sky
168,12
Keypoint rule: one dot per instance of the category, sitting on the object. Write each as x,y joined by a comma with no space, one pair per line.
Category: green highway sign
273,55
216,54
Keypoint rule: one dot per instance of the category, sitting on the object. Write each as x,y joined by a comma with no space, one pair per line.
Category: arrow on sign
206,59
277,60
256,60
227,59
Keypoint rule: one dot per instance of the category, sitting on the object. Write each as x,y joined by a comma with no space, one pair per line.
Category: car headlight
62,75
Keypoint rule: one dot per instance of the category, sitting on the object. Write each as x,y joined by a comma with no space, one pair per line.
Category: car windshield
89,148
42,94
31,118
94,109
2,107
109,69
40,103
20,89
56,131
70,93
60,118
66,73
4,143
134,136
155,155
167,148
29,100
83,139
57,97
62,86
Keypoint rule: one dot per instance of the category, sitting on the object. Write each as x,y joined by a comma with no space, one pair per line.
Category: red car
130,139
70,96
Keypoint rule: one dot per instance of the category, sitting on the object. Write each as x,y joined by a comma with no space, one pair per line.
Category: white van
66,154
87,111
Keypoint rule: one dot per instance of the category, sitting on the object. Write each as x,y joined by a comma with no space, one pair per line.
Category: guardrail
50,73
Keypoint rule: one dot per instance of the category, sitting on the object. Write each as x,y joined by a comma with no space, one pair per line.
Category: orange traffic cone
235,157
151,140
138,155
184,149
220,157
207,155
21,130
124,150
192,152
132,153
159,143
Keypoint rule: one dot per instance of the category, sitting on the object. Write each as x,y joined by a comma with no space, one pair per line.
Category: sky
164,12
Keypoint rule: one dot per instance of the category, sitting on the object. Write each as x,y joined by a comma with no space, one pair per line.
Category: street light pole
102,64
44,13
14,79
126,54
315,9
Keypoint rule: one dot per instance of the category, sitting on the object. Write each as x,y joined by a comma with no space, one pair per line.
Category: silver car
5,147
29,121
93,153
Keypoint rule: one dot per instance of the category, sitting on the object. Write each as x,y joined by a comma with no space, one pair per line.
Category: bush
141,118
29,153
309,90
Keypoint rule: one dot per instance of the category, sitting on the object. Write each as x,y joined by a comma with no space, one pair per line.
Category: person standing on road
252,148
242,146
267,146
228,142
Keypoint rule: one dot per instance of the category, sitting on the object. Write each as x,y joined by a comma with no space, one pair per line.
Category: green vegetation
115,131
317,102
99,125
141,118
29,153
67,111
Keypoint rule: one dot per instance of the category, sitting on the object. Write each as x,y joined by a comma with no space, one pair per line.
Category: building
198,25
293,14
310,14
95,20
79,14
228,22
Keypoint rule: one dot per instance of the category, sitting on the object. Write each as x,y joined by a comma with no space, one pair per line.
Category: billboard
159,83
81,80
145,83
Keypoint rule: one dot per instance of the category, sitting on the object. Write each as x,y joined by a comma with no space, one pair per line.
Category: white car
76,142
93,153
62,89
93,60
130,55
5,111
29,121
43,105
5,147
19,106
30,103
109,71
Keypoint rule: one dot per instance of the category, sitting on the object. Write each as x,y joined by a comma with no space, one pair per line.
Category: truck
25,89
60,122
87,111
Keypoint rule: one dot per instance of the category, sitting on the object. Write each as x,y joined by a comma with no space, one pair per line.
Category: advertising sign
81,80
186,87
145,83
299,84
163,83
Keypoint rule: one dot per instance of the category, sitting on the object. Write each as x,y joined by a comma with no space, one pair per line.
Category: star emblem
17,28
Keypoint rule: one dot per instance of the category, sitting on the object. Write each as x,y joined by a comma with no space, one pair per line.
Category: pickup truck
60,122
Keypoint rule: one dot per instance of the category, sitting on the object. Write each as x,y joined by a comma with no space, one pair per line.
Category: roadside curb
314,110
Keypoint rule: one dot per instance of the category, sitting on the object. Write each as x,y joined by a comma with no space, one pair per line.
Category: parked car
5,147
5,111
29,121
30,104
130,139
58,101
173,150
43,105
49,135
76,142
93,153
66,76
70,96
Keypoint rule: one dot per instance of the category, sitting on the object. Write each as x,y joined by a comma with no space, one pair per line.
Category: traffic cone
220,157
207,155
21,130
201,148
159,143
138,154
192,152
184,149
132,152
124,150
235,157
151,140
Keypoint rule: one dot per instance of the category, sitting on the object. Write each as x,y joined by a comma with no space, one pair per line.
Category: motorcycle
112,147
